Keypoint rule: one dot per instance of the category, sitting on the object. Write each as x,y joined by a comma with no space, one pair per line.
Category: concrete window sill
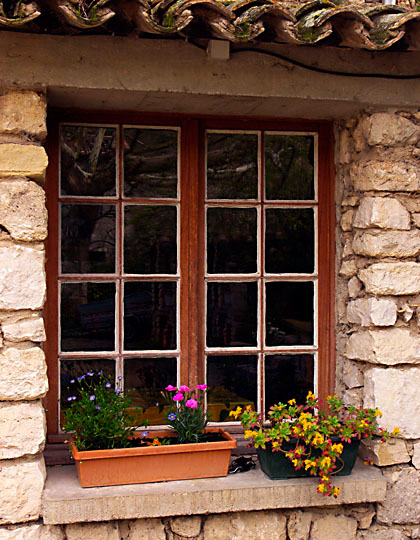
64,501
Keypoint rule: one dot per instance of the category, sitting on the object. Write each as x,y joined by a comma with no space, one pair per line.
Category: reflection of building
357,60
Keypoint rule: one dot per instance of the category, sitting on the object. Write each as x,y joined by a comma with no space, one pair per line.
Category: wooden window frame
192,319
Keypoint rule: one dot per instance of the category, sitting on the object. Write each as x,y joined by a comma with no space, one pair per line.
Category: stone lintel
64,501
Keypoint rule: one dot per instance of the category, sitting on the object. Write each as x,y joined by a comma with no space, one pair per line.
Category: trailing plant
312,428
98,413
187,416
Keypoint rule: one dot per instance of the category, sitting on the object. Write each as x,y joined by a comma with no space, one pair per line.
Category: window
189,250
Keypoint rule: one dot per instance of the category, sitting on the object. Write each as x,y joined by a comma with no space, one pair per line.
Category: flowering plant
187,415
98,414
317,434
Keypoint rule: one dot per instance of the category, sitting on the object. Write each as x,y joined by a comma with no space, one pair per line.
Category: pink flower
178,397
201,386
184,388
171,388
191,403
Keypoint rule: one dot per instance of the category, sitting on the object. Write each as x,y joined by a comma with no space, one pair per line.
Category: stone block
22,429
394,391
17,160
331,527
389,347
299,525
391,452
416,455
92,531
398,244
23,374
364,515
22,210
399,278
372,312
348,269
22,482
387,129
416,219
186,526
32,531
246,526
347,220
382,534
146,529
354,287
375,175
352,375
402,501
26,329
381,212
22,278
23,112
353,397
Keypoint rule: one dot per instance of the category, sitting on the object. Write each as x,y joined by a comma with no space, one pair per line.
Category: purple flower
178,397
92,397
191,403
118,390
184,388
69,398
171,388
98,407
171,416
108,385
72,381
144,434
90,373
201,386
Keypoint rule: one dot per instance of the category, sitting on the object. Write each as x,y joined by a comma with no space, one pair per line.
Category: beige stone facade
378,337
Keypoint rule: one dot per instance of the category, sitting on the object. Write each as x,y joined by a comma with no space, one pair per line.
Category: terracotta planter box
154,463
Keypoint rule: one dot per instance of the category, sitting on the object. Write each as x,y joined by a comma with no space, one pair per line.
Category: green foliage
98,415
187,415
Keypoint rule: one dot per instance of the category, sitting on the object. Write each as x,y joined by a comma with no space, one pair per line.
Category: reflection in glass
145,378
289,313
288,376
87,238
232,314
150,240
150,163
231,240
72,370
289,167
87,161
149,315
87,316
290,238
232,166
232,382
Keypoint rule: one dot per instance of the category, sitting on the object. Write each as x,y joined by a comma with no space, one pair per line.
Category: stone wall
23,378
378,294
378,314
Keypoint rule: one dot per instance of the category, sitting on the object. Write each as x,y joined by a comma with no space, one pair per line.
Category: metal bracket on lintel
218,49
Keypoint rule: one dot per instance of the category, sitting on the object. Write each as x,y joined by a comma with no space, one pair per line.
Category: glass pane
232,314
71,370
288,377
232,166
87,316
149,316
289,313
289,240
145,378
150,240
231,240
232,382
150,163
87,238
87,161
289,167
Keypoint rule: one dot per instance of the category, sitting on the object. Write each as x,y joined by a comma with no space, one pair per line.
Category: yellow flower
363,424
318,439
275,444
248,433
236,412
321,488
326,462
396,431
336,491
308,464
378,413
337,448
310,395
325,478
292,402
295,462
